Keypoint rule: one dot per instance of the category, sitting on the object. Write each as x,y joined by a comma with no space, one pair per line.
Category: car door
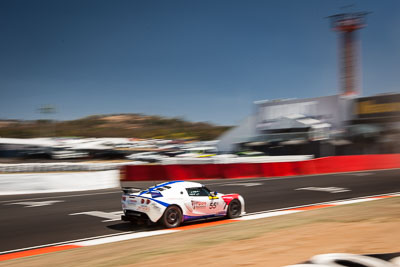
203,203
198,201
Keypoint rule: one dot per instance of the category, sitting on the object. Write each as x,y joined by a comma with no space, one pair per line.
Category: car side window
198,192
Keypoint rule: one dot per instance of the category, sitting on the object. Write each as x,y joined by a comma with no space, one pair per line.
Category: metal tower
347,24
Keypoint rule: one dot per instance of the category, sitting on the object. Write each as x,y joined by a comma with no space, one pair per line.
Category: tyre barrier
325,165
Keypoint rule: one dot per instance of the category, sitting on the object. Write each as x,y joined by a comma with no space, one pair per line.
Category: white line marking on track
123,237
34,204
243,184
266,215
110,216
66,196
326,189
361,174
354,201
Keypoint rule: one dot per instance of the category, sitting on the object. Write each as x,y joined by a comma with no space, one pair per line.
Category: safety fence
224,159
253,170
60,167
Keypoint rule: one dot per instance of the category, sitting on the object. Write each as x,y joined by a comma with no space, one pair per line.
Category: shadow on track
128,227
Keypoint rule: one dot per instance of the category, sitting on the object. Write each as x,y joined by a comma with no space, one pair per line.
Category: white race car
174,202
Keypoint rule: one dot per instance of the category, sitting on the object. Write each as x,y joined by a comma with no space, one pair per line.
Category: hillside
118,125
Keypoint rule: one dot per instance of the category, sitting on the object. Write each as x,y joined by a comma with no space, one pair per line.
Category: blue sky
202,60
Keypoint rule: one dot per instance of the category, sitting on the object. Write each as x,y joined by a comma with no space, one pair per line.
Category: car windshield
198,191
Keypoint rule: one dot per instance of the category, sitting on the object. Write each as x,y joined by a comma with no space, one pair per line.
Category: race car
175,202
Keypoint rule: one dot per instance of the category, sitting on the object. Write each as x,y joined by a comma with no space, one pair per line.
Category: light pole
49,110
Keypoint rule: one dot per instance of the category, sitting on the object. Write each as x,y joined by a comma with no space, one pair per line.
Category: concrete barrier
13,184
254,170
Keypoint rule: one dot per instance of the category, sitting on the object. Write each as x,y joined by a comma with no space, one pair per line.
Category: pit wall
33,183
253,170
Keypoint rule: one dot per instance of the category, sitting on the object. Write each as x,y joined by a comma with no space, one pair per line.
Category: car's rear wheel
234,209
172,217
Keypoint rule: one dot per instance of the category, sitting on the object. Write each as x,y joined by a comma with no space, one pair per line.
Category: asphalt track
40,219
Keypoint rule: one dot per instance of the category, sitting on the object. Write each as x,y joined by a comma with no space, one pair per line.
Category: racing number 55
213,205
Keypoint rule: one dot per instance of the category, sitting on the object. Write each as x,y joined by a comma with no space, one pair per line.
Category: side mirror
214,194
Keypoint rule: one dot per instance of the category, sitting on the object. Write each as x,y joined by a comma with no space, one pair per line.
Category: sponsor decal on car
143,208
198,204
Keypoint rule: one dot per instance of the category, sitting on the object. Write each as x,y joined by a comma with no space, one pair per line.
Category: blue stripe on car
158,201
158,186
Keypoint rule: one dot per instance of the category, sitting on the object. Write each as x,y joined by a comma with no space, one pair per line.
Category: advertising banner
382,106
334,110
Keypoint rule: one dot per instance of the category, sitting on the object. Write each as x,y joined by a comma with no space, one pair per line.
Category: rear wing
131,190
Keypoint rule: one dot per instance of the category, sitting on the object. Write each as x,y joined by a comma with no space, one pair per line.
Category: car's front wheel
234,209
172,217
